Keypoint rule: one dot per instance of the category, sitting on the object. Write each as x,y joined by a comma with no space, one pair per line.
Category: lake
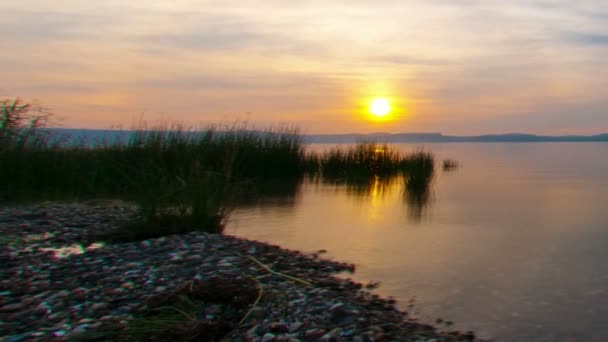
512,245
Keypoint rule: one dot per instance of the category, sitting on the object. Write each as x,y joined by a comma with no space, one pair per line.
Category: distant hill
92,136
440,138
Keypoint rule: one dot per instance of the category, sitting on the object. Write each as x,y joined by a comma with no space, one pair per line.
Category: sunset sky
457,67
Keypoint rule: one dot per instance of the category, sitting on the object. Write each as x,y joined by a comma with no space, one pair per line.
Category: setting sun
379,107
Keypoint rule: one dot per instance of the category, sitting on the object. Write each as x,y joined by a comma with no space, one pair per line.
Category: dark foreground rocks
56,284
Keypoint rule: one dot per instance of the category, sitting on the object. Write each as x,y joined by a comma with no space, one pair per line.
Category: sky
456,67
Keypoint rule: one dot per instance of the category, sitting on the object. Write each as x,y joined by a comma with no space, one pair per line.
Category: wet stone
107,285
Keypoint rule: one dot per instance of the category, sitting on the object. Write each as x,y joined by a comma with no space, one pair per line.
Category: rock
62,294
118,291
127,285
107,284
59,333
336,306
79,292
99,306
339,313
13,307
332,335
258,313
314,332
268,337
293,327
80,329
253,331
278,327
224,264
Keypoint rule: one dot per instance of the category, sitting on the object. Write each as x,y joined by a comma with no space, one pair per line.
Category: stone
80,329
127,285
13,307
224,264
59,333
268,337
293,327
253,331
62,294
99,306
336,306
278,327
258,313
332,335
118,291
314,332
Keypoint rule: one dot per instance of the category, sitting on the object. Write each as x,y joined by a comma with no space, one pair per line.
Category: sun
379,107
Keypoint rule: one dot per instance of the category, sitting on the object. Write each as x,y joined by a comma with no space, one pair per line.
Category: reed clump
181,179
362,161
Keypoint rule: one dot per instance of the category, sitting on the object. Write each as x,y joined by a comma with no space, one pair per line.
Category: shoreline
284,295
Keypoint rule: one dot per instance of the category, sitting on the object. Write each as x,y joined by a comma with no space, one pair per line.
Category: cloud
592,39
33,27
462,61
410,60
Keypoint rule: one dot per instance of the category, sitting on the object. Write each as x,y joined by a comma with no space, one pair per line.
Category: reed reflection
373,171
283,193
367,171
418,196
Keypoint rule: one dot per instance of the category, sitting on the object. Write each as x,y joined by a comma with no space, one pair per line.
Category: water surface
513,244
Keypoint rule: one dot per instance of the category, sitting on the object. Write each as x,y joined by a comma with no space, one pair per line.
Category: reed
183,179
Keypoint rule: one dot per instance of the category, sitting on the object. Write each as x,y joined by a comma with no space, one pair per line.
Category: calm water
512,245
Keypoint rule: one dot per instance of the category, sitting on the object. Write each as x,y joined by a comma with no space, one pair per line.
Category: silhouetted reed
184,179
418,183
181,179
20,123
363,161
450,165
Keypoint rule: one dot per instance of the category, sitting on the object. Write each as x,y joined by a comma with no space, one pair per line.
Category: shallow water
513,244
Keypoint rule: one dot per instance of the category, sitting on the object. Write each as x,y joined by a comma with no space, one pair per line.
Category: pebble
331,335
293,327
59,333
278,327
80,329
127,285
101,287
268,337
99,306
12,307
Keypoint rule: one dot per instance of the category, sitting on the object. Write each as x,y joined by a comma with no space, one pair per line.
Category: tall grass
361,162
369,161
19,124
181,179
184,179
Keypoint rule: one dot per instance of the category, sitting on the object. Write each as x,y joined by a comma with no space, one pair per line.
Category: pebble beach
58,282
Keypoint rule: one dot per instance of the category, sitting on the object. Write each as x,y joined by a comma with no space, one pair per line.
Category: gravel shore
57,283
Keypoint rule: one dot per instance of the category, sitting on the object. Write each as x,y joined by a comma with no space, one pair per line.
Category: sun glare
379,107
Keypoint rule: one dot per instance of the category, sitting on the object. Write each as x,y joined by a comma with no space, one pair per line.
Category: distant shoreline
118,135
